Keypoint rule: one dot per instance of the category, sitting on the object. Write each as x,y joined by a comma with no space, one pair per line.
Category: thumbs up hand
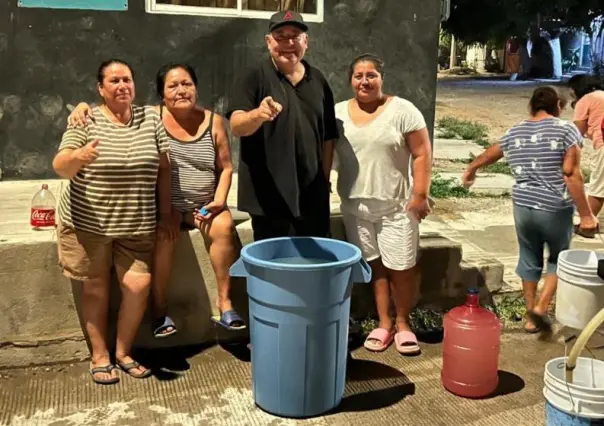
88,153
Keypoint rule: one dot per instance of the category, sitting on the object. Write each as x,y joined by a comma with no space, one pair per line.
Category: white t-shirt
373,160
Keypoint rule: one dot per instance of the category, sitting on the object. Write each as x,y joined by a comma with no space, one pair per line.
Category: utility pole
453,58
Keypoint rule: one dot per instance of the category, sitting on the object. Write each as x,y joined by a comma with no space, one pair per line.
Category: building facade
49,55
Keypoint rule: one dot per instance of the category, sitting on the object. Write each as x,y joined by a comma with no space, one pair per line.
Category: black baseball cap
287,17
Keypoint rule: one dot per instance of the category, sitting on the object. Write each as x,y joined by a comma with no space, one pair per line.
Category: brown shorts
85,256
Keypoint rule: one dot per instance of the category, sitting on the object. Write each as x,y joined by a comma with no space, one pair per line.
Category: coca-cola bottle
43,209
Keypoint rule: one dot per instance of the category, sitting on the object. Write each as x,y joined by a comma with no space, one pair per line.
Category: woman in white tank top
384,138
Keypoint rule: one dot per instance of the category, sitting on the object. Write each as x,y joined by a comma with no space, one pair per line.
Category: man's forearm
328,149
66,164
422,170
245,123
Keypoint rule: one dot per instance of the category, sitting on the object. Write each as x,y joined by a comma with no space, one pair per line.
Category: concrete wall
49,58
40,307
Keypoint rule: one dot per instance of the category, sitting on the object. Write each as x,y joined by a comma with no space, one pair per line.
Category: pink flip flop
383,336
406,343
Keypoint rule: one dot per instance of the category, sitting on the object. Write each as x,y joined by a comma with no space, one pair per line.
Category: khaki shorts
85,256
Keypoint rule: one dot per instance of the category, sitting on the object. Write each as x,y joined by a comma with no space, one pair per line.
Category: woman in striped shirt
544,155
201,179
108,212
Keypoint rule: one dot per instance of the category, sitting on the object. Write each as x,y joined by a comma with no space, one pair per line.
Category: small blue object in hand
203,211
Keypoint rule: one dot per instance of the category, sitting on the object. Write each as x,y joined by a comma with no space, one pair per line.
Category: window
311,10
76,4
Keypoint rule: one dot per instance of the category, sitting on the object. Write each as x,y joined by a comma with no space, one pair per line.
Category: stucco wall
49,57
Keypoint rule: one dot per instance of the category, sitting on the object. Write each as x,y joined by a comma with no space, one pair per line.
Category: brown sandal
127,368
104,369
586,233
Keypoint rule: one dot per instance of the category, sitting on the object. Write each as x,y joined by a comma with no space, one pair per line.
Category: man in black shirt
283,111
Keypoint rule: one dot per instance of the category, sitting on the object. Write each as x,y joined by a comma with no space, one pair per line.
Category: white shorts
382,229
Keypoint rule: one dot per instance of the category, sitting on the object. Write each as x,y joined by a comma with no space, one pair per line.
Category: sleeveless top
194,177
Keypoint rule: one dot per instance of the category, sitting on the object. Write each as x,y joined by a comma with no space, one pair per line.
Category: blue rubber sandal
161,327
230,320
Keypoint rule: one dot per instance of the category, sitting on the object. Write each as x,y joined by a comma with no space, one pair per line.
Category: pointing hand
269,109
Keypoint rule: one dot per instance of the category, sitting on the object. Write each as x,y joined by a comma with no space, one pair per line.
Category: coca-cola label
42,217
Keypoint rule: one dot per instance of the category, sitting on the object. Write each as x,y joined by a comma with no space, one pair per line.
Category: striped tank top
194,176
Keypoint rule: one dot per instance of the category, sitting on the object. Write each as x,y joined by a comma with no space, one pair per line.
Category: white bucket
580,294
585,396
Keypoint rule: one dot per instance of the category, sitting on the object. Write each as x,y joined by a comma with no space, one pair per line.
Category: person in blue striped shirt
544,155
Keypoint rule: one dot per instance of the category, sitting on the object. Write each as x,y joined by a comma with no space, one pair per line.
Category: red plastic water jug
472,337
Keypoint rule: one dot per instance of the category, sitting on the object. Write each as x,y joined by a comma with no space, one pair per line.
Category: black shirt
280,166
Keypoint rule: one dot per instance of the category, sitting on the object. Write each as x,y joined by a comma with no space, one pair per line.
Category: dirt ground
499,104
493,101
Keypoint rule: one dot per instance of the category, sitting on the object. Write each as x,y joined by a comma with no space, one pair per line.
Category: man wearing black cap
283,111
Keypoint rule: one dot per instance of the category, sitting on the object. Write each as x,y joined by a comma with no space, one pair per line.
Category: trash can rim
304,267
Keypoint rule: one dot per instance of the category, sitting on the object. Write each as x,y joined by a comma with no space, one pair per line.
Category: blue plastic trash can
299,292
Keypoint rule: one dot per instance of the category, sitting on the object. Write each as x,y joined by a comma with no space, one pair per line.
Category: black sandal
161,326
542,322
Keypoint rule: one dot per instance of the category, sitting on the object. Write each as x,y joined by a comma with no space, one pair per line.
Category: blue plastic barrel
555,417
299,292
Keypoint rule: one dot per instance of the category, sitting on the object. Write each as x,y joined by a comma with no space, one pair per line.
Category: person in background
108,213
201,179
588,94
384,139
283,111
544,154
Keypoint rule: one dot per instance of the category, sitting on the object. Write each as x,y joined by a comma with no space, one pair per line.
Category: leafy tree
480,21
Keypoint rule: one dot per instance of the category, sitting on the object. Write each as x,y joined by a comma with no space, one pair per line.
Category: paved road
213,388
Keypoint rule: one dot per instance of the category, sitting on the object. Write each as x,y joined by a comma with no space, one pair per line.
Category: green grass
509,309
483,142
501,167
420,319
453,128
446,188
449,188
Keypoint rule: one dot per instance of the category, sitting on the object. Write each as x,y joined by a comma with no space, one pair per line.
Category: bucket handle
590,328
238,269
361,272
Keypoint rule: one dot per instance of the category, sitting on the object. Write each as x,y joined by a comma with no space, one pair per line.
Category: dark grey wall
48,59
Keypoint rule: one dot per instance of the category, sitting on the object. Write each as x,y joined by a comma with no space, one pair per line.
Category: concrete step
455,149
42,310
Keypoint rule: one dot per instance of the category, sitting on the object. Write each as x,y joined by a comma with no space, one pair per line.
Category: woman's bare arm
224,163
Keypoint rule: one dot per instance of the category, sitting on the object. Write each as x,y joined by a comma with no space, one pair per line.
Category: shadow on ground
371,385
509,383
168,363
